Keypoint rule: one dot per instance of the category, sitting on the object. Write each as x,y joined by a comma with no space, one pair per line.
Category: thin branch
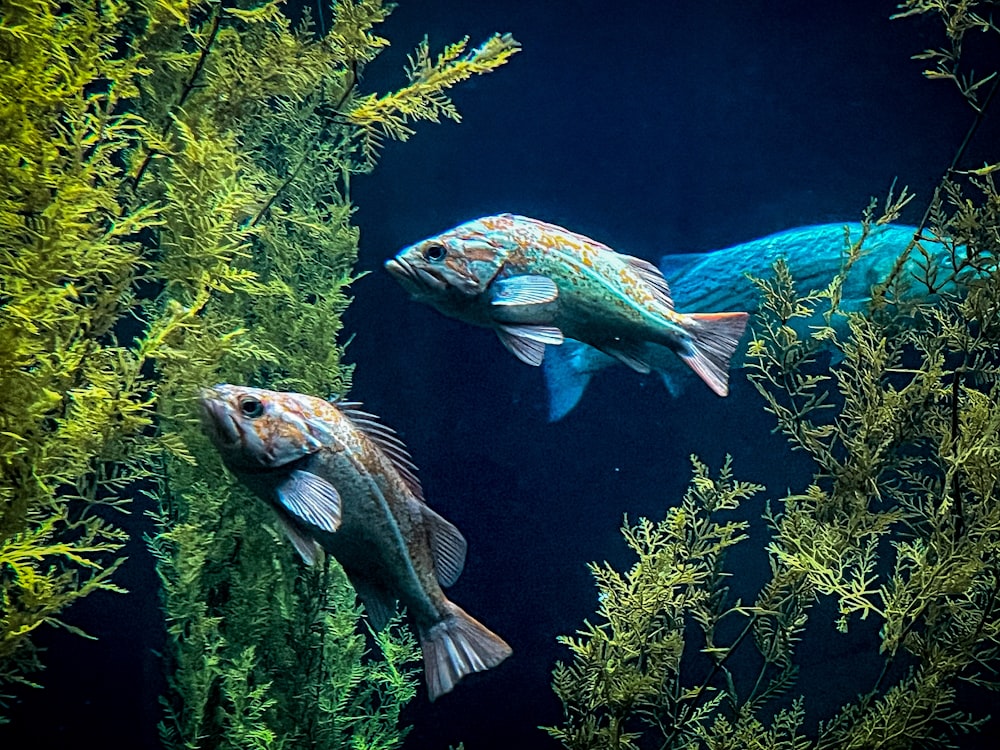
185,92
690,707
976,122
348,89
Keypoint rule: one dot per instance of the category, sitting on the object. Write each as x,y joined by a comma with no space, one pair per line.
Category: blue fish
718,280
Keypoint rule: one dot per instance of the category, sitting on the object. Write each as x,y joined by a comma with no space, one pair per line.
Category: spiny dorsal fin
652,276
387,440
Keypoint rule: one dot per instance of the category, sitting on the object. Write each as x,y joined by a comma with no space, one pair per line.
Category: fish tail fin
456,646
714,338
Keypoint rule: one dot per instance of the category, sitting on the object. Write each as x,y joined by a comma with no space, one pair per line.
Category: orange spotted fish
340,480
537,284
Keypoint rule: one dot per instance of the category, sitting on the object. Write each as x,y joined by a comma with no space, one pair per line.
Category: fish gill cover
175,211
899,530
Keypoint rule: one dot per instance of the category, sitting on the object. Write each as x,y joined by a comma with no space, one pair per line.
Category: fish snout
417,280
215,417
399,267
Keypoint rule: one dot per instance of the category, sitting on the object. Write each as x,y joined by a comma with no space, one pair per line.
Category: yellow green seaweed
175,211
899,529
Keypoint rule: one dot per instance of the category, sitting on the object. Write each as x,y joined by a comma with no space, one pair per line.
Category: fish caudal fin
456,646
714,338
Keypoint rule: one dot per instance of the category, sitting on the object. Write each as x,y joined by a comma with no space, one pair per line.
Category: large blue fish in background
718,280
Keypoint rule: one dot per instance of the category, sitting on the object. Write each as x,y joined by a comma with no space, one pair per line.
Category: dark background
654,127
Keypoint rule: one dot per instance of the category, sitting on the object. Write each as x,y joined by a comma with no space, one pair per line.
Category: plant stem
185,92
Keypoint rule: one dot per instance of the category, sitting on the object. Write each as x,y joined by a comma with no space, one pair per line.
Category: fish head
455,268
256,429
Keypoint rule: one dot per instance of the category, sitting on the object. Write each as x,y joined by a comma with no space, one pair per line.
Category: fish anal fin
714,338
310,498
379,603
448,547
456,646
628,353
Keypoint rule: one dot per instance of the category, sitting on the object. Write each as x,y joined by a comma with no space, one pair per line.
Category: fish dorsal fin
627,353
652,276
387,440
310,498
380,604
527,343
523,290
448,547
308,549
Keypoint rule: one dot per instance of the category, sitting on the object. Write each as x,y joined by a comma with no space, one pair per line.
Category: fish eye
435,252
251,407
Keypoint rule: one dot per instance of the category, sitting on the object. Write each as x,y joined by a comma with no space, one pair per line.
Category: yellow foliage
174,211
899,527
424,97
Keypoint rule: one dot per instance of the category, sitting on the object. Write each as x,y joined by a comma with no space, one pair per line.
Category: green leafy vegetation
175,212
899,529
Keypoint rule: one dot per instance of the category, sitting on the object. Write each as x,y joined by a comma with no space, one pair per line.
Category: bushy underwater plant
899,528
175,212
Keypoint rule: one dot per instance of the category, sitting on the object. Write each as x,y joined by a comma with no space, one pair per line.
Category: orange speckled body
602,296
340,480
536,284
380,538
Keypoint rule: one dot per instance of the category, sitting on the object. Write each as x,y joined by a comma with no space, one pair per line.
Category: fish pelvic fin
714,338
456,646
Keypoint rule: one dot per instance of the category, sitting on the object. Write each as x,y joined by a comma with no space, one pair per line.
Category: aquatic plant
174,211
76,411
898,532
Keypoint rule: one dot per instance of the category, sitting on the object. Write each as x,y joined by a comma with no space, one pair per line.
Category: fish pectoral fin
379,603
310,498
628,353
527,343
523,290
448,547
307,548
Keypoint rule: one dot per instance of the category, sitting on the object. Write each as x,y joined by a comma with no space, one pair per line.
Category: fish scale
340,481
537,284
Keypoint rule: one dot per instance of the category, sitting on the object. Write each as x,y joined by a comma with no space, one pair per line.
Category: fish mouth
416,279
215,418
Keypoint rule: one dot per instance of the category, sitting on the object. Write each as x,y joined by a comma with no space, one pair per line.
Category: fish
538,285
340,480
719,279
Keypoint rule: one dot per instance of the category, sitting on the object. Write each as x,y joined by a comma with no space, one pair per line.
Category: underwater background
655,128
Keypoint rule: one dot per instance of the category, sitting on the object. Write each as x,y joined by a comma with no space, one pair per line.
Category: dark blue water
655,128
